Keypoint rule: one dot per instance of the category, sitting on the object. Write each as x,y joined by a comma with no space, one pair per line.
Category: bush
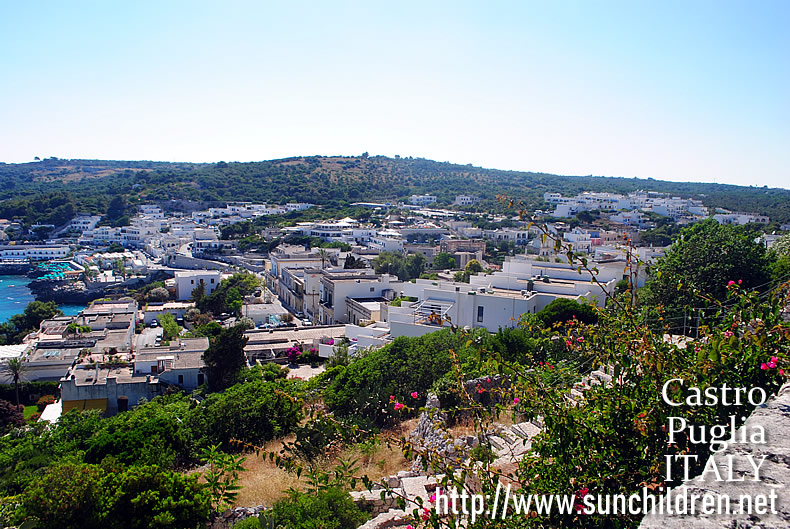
11,415
45,401
248,523
74,495
399,368
326,509
249,412
562,309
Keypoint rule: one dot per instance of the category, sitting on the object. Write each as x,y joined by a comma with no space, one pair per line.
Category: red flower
414,394
398,406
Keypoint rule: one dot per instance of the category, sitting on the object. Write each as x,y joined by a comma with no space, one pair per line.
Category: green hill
53,189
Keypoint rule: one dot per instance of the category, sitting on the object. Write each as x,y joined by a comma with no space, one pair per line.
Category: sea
14,297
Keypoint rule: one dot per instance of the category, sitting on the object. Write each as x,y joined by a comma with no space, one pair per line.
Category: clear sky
678,90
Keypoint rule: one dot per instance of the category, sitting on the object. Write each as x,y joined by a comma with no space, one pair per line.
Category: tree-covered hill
35,191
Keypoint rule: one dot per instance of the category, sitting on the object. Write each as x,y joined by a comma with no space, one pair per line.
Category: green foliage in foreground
80,496
407,365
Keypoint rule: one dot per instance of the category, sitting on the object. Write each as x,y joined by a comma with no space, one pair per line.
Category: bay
14,297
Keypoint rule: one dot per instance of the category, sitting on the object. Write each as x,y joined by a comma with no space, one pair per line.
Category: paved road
147,337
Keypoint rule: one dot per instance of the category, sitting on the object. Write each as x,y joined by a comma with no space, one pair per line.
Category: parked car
307,322
154,323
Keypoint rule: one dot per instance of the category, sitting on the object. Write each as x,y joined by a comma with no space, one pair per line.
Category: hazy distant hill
27,189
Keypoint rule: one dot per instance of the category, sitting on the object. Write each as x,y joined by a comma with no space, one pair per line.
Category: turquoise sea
14,297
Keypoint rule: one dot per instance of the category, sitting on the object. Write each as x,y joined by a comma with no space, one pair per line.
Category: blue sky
687,90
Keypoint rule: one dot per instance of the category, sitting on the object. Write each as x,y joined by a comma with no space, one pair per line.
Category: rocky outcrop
225,520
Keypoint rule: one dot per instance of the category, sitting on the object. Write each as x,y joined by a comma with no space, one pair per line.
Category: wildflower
515,400
730,283
414,394
392,398
763,366
398,406
782,372
740,281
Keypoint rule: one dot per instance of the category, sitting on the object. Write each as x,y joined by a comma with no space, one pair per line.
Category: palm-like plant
14,368
324,255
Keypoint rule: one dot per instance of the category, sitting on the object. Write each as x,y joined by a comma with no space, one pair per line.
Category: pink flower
425,514
433,498
392,398
763,366
782,372
730,283
568,343
727,334
409,527
398,406
774,359
740,281
580,339
515,400
414,394
488,380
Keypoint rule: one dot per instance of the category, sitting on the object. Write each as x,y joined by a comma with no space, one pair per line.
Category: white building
740,218
187,280
345,292
466,200
422,200
34,252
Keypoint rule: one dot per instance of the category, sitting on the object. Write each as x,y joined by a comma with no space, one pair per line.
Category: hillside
53,189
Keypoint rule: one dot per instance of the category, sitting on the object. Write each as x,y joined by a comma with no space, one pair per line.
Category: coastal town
336,289
405,265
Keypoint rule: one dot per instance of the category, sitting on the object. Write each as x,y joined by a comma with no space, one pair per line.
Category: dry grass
264,483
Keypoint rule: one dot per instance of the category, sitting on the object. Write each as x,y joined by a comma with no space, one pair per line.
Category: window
479,314
153,369
201,379
371,289
181,379
192,281
212,280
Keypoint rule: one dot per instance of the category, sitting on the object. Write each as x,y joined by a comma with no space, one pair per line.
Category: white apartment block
740,218
82,223
660,203
345,291
34,252
422,200
466,200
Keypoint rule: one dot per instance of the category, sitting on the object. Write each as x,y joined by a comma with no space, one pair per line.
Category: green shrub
80,496
251,412
562,309
248,523
332,508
